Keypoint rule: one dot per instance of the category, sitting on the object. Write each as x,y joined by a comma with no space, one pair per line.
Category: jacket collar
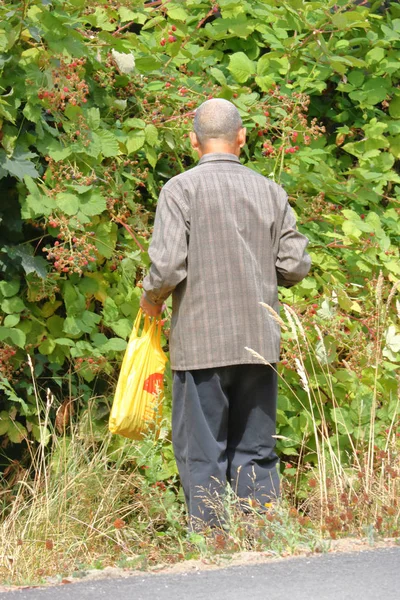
218,156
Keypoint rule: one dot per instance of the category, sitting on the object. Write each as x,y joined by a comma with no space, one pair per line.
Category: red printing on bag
153,383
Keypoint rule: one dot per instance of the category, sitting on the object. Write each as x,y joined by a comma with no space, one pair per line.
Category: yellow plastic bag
138,397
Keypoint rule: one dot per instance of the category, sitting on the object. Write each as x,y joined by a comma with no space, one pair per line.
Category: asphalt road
368,575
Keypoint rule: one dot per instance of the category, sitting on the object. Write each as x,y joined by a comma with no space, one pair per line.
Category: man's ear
194,141
242,137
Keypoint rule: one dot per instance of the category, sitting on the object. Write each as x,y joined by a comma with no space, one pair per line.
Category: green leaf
11,320
64,342
241,67
13,305
16,336
375,56
110,311
350,19
92,204
145,64
218,75
135,141
109,143
29,262
114,345
41,434
71,326
177,13
93,118
151,155
134,123
16,432
126,14
122,328
151,134
58,152
263,66
394,107
47,346
68,203
19,165
35,206
4,422
392,339
395,145
106,238
100,19
89,321
9,288
32,113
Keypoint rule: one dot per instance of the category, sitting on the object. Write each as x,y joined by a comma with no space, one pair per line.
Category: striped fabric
224,238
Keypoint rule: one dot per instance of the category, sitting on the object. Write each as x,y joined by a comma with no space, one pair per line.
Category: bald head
217,119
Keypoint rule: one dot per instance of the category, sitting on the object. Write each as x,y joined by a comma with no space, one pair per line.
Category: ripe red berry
173,28
315,305
362,216
171,39
260,133
266,113
163,41
287,150
292,150
65,89
77,132
168,85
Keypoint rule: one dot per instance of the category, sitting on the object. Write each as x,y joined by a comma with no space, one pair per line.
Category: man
224,238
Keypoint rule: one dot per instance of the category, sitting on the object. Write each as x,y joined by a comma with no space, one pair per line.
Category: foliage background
96,102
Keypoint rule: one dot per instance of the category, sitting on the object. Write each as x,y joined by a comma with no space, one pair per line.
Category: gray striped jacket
224,238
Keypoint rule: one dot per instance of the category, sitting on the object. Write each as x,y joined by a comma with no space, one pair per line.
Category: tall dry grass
355,485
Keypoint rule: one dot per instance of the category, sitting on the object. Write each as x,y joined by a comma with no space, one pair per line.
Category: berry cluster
92,364
286,133
7,366
59,174
171,37
68,87
313,209
70,253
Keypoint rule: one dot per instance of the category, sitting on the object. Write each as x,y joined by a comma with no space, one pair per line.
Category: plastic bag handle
138,321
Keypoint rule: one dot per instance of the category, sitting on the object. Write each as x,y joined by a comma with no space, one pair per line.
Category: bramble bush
96,101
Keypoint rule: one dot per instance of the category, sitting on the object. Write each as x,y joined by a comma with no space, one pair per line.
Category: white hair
217,119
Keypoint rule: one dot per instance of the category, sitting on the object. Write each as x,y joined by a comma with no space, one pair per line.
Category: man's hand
152,310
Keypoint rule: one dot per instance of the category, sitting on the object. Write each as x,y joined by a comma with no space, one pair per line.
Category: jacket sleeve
292,263
168,249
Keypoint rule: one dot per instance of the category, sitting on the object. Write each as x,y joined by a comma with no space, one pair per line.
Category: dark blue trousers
223,423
